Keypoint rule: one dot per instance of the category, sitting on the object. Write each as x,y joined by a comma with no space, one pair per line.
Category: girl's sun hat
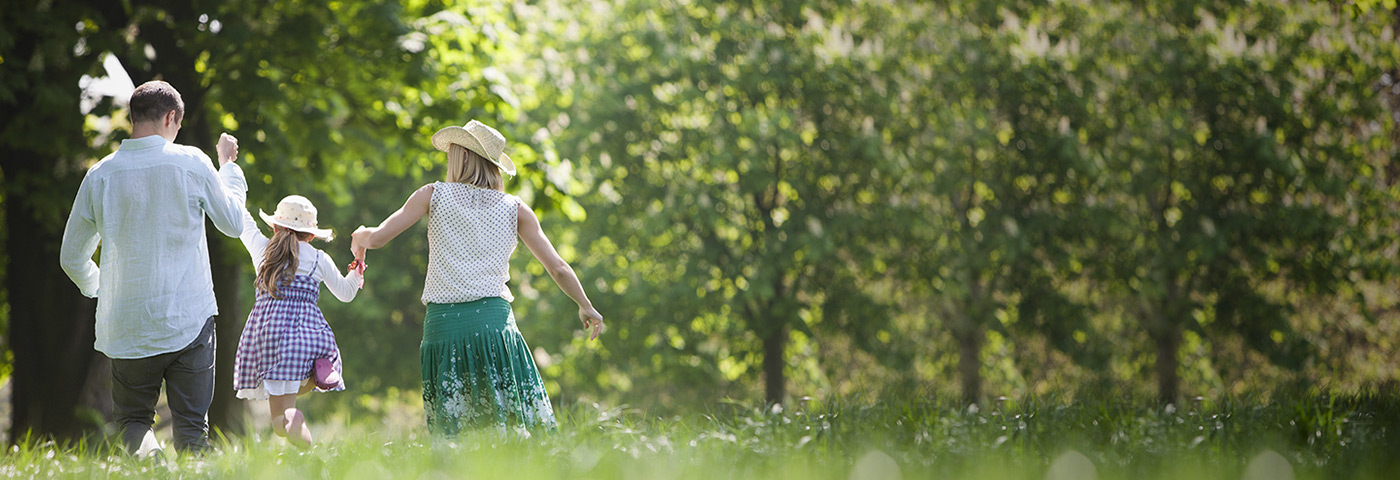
296,213
479,138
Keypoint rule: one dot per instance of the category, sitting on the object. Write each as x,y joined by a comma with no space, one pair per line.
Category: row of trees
836,198
799,186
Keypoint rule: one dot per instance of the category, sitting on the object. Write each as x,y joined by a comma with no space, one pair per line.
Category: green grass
1318,436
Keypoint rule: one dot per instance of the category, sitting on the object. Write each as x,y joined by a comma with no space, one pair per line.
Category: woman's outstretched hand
591,320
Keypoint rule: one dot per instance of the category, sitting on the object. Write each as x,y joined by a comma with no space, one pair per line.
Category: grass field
1314,437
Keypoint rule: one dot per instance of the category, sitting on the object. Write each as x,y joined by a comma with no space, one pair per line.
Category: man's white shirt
145,204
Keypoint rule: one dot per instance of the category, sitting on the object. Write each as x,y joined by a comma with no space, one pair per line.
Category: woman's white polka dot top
471,235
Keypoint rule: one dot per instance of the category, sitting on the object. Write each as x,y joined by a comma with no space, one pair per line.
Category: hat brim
324,233
444,139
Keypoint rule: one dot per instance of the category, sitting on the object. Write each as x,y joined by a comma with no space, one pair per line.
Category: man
145,204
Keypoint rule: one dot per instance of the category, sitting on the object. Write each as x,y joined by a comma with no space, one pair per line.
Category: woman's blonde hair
466,166
280,259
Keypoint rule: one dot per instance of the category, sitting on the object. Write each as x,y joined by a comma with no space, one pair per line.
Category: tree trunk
226,413
970,363
1168,342
774,363
1165,331
51,324
969,333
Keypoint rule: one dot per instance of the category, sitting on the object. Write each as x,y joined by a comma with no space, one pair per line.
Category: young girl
286,345
477,370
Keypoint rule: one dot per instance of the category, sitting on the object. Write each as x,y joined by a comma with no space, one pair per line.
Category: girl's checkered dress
284,336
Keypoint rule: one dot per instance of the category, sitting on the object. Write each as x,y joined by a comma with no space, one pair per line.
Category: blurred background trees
773,200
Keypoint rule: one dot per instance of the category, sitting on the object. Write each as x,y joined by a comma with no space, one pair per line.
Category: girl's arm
253,238
374,237
343,287
528,226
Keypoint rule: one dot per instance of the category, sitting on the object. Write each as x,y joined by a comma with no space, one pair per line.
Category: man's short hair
152,100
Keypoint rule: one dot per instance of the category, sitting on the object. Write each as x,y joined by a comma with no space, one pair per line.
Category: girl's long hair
466,166
279,259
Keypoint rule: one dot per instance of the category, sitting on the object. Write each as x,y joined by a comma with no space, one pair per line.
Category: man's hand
228,149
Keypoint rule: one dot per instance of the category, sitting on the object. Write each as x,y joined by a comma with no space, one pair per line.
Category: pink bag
324,374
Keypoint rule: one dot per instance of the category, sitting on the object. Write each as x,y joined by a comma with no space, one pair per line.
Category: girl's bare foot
279,425
296,430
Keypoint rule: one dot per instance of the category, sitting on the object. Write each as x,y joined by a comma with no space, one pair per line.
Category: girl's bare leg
287,421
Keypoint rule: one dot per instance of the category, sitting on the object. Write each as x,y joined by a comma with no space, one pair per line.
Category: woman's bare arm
375,237
528,226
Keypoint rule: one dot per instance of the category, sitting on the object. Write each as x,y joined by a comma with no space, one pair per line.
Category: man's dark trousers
188,374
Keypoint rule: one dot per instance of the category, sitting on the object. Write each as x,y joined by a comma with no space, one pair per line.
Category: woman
476,368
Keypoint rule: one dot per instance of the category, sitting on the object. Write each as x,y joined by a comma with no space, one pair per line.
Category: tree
1000,178
740,179
1244,166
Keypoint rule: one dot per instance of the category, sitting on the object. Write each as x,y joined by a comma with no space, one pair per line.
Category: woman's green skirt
477,370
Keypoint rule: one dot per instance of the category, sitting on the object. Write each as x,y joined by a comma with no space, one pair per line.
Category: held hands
227,149
359,242
591,320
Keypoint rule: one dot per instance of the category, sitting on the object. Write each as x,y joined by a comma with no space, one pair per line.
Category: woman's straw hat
479,138
296,213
